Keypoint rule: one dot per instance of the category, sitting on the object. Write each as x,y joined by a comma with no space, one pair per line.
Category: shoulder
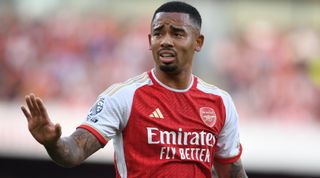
212,89
229,111
128,86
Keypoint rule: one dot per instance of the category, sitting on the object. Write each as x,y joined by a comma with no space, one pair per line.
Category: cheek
187,48
153,44
154,50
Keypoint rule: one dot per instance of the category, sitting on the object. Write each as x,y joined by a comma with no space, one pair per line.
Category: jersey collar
156,81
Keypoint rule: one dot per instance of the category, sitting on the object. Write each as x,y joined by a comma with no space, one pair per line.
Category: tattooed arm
66,151
232,170
71,151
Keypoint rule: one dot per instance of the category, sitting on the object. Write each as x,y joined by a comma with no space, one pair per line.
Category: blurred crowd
69,58
274,73
270,72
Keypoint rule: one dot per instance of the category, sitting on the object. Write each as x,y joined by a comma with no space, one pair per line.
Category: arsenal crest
208,116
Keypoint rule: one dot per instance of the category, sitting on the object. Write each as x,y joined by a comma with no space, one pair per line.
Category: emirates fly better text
182,144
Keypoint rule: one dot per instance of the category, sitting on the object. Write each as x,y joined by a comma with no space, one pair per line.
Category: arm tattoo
71,151
237,170
232,170
86,141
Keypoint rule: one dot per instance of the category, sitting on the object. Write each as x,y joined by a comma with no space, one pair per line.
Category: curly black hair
180,7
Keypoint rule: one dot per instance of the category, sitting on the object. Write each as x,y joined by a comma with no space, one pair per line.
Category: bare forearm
65,152
71,151
233,170
237,171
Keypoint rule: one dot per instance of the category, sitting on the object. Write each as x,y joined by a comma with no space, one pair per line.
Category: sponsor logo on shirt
184,145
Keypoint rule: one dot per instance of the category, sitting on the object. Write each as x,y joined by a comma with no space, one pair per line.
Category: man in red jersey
165,122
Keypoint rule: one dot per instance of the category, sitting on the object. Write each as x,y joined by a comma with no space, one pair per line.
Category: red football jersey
158,131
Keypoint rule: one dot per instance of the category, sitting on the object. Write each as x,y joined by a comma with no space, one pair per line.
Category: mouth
167,56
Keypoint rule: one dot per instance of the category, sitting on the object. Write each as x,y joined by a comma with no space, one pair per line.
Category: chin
168,68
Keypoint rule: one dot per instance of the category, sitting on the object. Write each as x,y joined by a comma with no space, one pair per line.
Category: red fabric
190,155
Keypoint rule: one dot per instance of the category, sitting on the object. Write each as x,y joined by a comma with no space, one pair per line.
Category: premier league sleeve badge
96,109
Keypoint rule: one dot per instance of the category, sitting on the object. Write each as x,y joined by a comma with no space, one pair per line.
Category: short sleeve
108,116
229,148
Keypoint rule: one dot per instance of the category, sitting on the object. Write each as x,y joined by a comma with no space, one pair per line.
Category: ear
199,43
149,38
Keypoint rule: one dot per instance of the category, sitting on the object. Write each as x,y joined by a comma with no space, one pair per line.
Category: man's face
173,40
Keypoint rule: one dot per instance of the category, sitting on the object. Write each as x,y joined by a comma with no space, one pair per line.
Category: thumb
58,129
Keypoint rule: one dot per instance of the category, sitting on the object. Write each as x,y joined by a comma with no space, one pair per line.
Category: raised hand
39,123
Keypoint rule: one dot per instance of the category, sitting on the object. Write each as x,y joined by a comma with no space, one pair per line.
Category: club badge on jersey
208,116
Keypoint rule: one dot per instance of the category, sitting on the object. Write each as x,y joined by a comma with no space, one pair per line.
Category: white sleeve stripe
112,90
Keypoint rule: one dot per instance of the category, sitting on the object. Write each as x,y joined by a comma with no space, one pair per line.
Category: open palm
39,123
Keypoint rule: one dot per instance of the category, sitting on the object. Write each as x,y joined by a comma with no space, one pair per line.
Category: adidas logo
156,114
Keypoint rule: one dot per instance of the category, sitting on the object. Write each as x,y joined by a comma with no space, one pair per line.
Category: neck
180,80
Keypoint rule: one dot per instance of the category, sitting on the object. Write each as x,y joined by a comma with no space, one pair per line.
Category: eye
156,34
179,35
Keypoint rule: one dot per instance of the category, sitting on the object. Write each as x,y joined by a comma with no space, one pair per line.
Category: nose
166,41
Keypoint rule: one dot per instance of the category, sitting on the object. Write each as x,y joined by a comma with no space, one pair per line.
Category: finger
42,108
28,101
30,105
58,129
34,104
26,113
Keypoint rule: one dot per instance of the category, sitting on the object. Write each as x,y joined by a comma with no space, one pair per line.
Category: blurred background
266,54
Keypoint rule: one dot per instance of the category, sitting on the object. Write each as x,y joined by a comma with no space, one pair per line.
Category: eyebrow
158,28
174,28
178,29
